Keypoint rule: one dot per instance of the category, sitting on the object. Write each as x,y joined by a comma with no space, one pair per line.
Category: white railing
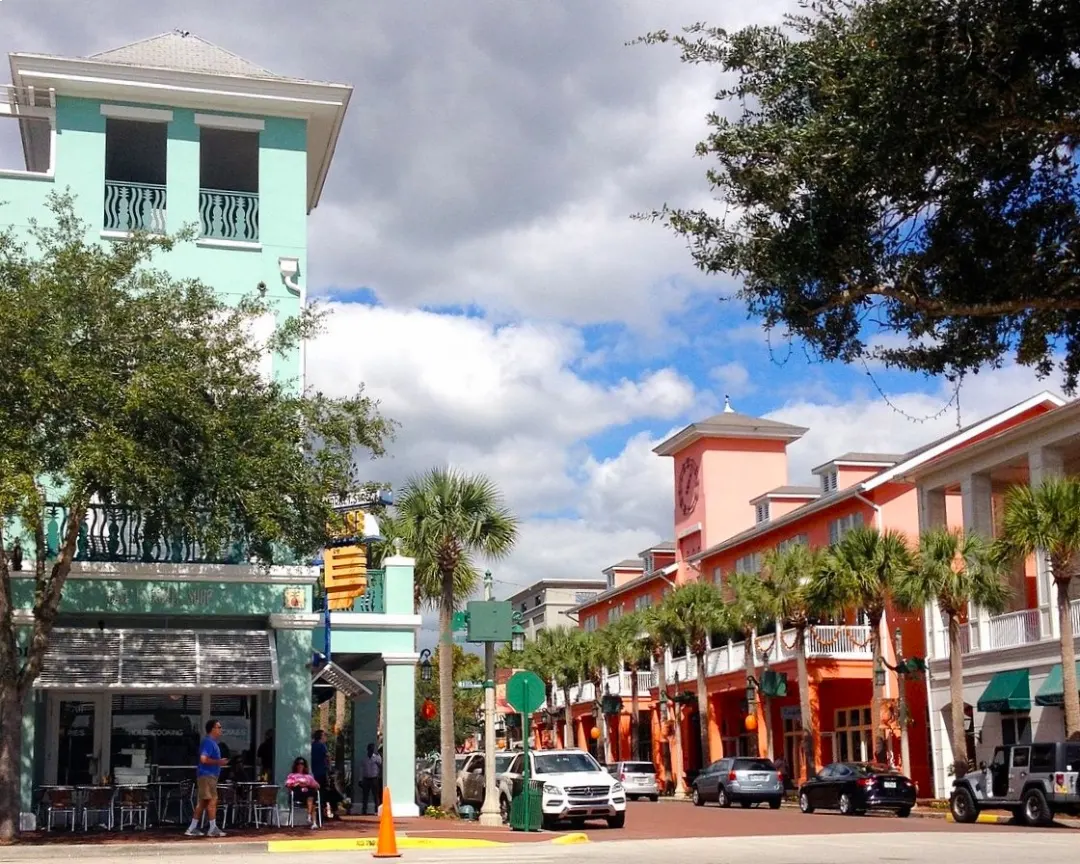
27,97
845,641
1015,628
967,633
1074,613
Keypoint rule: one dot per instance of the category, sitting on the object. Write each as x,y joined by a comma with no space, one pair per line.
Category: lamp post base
490,818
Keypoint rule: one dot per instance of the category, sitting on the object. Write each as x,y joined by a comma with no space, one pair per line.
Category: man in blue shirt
206,778
320,770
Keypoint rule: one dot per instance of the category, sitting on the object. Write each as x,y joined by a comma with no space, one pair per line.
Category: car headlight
552,790
617,788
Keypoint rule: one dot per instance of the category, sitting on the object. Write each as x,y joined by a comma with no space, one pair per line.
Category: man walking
320,770
370,769
206,778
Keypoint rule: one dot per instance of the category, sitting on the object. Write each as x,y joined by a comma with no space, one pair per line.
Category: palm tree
635,651
701,611
866,565
444,519
749,614
557,655
795,592
662,631
1045,520
954,570
601,655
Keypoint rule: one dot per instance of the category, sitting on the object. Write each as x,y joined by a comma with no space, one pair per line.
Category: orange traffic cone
387,844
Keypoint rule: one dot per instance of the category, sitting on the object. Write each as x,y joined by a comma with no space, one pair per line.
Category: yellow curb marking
984,819
571,839
360,844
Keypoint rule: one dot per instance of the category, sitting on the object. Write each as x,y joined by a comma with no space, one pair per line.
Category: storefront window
853,735
153,730
236,714
793,746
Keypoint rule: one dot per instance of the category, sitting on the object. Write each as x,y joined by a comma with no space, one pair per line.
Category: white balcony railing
1074,613
1015,628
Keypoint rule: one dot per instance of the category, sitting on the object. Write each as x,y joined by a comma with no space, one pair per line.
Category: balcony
373,600
1011,630
229,216
117,534
134,207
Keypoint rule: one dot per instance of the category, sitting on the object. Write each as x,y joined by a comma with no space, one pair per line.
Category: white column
932,509
976,496
1044,463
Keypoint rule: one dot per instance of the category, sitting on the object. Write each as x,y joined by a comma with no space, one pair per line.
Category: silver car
637,778
747,780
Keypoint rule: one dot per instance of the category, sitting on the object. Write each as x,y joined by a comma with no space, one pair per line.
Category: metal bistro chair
265,803
182,795
59,801
295,802
99,803
228,803
134,807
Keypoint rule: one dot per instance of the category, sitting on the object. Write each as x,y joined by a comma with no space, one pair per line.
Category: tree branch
946,309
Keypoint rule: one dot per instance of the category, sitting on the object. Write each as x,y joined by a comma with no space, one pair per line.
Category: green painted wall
292,702
124,596
399,587
80,170
367,641
399,748
365,731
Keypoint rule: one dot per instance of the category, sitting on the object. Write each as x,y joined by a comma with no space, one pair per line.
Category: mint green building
155,638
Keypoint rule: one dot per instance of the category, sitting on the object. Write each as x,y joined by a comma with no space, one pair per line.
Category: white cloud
732,378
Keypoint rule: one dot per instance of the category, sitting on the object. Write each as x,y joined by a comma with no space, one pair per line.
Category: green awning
1052,692
1007,691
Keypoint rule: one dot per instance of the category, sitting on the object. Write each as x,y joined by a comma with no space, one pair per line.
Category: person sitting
304,788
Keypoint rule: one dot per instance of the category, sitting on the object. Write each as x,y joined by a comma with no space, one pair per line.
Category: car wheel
654,798
722,797
695,796
617,821
963,807
804,803
1036,811
504,809
846,807
903,812
774,803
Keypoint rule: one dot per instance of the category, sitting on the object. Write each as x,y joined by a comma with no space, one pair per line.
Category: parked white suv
576,788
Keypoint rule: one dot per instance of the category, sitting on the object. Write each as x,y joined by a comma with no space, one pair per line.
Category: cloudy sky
487,281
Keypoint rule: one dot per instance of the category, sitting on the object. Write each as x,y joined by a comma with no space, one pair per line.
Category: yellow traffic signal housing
344,575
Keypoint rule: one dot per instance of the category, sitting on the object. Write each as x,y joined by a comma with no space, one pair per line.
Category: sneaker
215,832
314,826
193,832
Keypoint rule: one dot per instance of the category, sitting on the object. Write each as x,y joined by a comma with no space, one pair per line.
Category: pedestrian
320,769
265,755
206,776
370,769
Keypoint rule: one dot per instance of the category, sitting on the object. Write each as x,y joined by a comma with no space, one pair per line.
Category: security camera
262,287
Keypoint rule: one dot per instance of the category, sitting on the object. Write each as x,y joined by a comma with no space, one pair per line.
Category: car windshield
564,763
502,763
752,765
639,768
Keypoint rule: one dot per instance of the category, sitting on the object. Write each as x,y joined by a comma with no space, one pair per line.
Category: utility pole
489,812
905,746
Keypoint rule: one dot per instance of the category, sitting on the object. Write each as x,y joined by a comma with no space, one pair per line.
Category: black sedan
855,787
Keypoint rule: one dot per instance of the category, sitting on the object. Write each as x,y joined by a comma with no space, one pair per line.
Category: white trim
24,112
232,573
295,621
235,245
124,235
373,621
237,124
132,112
406,658
688,530
399,561
909,465
22,174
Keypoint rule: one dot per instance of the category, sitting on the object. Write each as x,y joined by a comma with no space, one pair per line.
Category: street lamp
425,665
517,640
879,673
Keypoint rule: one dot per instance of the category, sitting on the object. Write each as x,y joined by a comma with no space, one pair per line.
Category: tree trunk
679,773
568,722
703,711
635,735
877,731
750,653
11,713
665,714
446,694
1068,658
805,708
956,698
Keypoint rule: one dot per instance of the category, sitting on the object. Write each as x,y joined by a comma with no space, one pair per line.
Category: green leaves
953,569
1043,517
910,164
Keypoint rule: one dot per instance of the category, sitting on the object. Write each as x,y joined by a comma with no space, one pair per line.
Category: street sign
470,685
525,692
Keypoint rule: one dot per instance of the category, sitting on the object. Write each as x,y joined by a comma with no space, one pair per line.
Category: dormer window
762,512
829,481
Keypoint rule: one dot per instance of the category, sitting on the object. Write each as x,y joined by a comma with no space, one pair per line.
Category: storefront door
76,756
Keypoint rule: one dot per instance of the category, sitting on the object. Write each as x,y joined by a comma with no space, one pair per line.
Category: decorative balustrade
1015,628
226,215
134,207
848,640
111,533
374,597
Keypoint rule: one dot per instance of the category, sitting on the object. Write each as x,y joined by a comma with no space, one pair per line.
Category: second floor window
135,167
839,527
615,613
749,563
229,184
590,623
643,602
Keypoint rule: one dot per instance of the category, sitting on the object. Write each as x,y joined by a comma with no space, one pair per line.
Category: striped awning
332,675
170,660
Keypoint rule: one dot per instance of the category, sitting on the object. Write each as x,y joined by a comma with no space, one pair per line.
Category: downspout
290,275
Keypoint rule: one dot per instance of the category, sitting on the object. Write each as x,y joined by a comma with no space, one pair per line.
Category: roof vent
727,406
182,33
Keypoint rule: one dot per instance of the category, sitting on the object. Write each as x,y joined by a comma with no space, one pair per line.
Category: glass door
76,723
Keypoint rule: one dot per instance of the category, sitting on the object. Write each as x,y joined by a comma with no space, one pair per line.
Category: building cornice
295,621
406,658
373,621
215,573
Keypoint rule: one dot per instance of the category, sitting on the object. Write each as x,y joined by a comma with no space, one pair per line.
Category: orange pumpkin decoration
594,733
427,711
750,722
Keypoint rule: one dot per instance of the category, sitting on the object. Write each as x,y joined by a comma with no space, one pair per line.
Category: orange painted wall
782,506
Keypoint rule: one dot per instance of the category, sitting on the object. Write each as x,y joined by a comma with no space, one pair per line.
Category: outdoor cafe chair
295,802
98,805
134,807
265,803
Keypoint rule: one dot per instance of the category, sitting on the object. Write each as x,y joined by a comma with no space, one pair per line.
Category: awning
1052,692
332,675
169,660
1007,691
